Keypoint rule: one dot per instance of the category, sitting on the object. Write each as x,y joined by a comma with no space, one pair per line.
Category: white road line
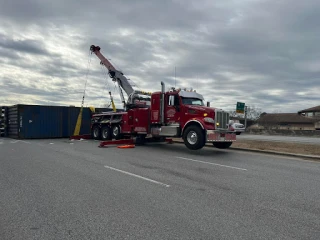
131,174
216,164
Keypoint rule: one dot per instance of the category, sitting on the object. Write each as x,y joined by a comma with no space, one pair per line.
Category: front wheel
140,139
193,137
222,145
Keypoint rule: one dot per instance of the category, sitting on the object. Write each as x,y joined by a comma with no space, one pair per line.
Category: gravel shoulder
284,147
274,146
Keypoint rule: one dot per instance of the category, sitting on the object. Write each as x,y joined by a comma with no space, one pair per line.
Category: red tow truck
175,113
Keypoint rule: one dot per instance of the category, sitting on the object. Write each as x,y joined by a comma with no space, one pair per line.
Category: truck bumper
215,136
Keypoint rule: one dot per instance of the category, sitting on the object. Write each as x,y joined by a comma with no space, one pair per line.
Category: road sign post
245,117
240,107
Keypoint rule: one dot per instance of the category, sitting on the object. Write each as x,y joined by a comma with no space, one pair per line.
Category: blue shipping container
36,121
3,121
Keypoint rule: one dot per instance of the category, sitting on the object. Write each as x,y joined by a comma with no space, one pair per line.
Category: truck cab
182,113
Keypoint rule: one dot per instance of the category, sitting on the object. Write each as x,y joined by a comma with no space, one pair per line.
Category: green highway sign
240,107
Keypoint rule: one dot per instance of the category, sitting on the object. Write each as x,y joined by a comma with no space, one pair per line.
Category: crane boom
135,97
115,74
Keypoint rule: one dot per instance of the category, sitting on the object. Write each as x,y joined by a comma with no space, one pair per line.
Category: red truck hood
203,109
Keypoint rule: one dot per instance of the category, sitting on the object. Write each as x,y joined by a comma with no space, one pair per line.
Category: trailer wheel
106,133
193,137
96,133
222,145
116,134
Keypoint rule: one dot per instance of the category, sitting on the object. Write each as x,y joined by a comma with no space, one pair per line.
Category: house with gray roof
307,119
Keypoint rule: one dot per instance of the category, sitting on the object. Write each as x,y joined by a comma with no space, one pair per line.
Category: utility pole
245,116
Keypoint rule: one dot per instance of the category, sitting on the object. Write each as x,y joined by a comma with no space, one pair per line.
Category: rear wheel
106,133
96,133
116,134
222,145
193,137
140,139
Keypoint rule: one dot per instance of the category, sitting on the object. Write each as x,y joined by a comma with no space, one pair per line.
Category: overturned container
37,121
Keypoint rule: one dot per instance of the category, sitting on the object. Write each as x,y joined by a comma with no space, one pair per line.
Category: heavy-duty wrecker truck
175,113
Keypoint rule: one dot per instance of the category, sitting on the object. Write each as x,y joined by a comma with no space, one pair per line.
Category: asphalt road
58,189
275,138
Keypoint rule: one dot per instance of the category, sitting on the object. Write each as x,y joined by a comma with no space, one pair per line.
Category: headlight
209,120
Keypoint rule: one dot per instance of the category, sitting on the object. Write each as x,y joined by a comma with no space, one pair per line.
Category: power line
85,85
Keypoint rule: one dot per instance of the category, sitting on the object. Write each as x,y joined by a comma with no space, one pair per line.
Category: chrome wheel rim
115,131
96,132
192,137
105,133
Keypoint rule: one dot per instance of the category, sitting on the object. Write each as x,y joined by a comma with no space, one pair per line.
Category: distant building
286,121
307,119
313,112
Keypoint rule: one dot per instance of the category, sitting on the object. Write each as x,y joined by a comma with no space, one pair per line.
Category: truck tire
96,133
106,133
222,145
116,134
193,137
140,139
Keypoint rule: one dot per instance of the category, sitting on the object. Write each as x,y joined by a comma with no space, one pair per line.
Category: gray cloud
261,52
25,45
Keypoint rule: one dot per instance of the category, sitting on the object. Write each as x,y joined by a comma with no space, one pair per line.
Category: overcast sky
264,53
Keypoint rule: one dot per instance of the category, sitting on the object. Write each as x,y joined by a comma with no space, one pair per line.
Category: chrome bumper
216,136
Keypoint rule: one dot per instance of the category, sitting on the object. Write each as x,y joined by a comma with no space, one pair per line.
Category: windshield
192,101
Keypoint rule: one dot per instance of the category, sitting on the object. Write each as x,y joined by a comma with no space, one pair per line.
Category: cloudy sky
261,52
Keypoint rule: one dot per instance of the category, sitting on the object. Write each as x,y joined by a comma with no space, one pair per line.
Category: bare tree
253,112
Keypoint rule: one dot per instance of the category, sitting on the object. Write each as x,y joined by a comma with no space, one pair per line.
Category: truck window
192,101
173,100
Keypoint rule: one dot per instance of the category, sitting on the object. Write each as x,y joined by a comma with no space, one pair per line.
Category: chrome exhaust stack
162,103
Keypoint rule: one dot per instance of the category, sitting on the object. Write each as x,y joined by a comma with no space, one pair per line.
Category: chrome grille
221,120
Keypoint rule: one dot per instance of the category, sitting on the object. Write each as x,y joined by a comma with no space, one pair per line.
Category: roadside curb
310,157
313,157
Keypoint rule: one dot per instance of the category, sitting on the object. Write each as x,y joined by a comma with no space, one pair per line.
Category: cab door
172,108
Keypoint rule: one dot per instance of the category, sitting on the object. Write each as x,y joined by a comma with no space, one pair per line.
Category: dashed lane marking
138,176
216,164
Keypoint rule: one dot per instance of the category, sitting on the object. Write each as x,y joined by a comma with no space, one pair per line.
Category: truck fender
192,121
